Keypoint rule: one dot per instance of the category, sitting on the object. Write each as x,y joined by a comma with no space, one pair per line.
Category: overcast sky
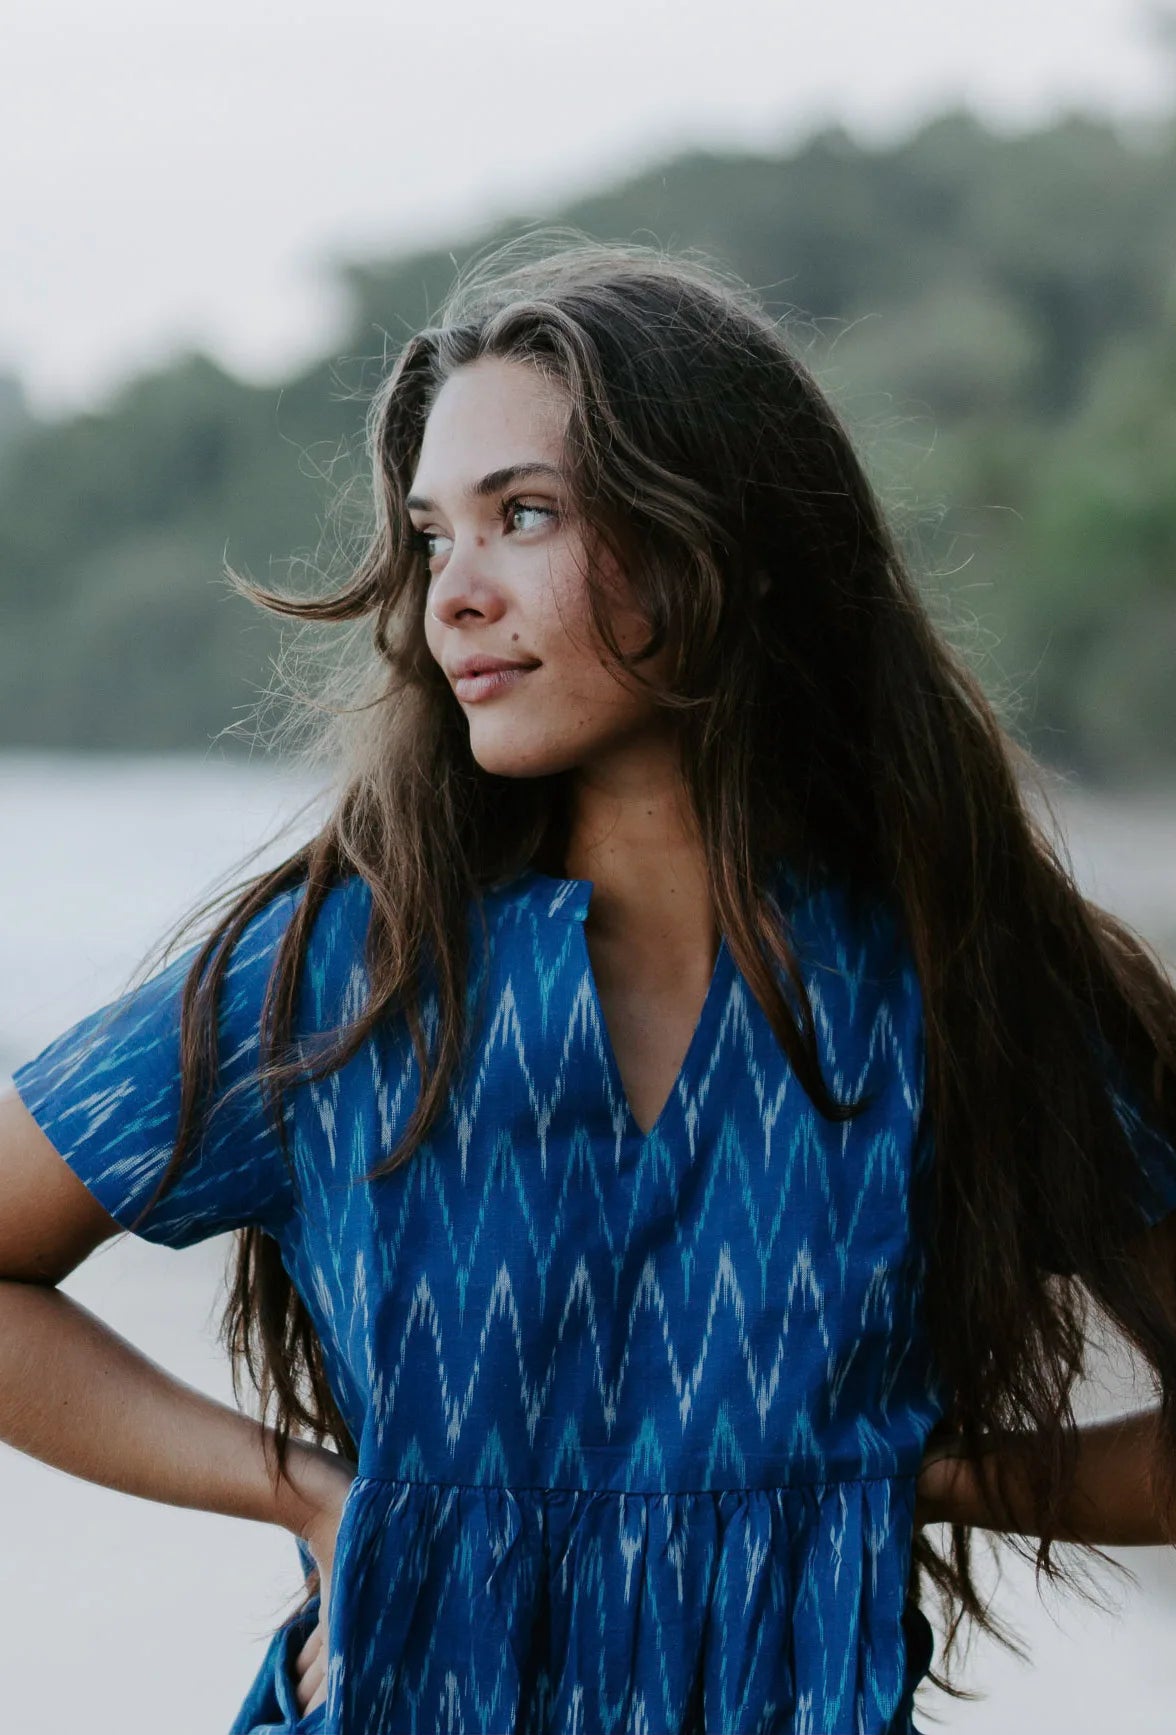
185,174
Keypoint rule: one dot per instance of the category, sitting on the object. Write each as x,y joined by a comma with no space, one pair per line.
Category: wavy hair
824,717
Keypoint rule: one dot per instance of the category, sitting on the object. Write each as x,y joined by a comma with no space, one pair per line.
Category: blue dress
639,1417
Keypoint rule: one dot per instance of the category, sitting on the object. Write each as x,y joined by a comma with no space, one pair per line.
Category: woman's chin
513,758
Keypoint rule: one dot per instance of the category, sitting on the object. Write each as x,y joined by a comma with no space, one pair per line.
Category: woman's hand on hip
319,1529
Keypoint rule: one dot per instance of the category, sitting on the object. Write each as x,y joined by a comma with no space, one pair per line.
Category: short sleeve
1154,1176
1150,1185
106,1093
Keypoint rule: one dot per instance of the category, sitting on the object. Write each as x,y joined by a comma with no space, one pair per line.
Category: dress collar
561,900
566,900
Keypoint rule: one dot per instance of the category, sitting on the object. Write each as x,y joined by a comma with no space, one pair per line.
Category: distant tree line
994,316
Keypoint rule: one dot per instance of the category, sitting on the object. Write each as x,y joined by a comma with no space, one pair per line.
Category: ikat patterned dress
639,1416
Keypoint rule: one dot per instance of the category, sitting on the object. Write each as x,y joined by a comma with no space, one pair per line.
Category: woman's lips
470,688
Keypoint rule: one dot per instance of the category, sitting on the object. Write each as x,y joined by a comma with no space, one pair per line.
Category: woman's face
506,580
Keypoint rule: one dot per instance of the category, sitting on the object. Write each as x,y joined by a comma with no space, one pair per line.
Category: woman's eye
543,511
419,541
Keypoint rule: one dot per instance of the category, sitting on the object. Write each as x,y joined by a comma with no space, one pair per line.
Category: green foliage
994,316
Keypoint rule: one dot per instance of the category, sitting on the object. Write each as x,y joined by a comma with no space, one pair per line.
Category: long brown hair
824,718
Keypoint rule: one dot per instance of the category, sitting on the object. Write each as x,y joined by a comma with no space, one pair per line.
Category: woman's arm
1114,1501
1111,1502
80,1397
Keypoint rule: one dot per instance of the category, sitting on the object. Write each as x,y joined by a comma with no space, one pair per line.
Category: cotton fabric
639,1417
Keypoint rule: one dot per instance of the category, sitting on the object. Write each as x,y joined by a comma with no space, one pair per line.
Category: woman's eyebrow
490,483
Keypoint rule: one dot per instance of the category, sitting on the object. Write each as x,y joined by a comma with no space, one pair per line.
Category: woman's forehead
483,422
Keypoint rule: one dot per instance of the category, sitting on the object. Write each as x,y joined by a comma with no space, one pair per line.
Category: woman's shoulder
334,965
850,922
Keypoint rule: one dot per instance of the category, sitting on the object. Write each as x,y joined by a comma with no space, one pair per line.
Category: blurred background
218,225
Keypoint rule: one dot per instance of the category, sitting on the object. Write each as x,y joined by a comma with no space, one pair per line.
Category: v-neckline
575,896
683,1078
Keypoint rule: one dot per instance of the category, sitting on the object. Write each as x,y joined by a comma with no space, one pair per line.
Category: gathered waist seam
635,1493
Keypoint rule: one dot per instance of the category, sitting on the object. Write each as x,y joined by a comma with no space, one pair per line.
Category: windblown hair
824,718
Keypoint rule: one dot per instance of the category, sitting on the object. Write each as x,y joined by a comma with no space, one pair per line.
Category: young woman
673,1113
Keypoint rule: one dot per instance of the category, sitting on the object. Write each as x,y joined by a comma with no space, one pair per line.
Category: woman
695,1100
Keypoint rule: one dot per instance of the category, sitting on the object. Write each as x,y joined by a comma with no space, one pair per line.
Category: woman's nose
465,584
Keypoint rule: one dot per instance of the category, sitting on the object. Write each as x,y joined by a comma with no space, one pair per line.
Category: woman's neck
647,865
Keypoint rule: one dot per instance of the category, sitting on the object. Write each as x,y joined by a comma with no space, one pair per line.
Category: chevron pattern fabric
639,1416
